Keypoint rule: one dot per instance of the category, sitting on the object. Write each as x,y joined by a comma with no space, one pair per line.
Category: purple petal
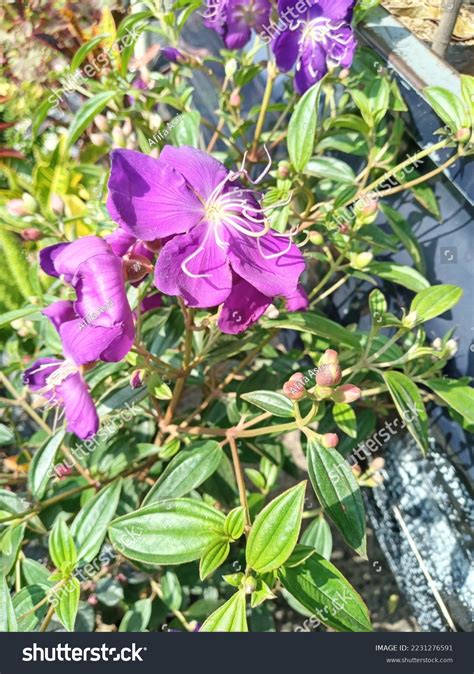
84,343
35,376
272,277
201,171
60,312
242,308
339,10
298,300
67,260
47,258
285,48
81,414
148,198
341,51
311,67
152,302
120,241
210,260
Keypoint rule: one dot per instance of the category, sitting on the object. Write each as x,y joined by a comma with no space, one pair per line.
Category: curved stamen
272,256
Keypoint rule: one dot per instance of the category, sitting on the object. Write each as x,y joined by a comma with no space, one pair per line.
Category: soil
422,18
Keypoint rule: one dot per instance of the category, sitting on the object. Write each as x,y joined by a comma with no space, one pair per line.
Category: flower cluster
214,248
311,35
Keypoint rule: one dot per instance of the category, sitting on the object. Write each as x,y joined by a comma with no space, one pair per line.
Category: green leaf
318,536
7,318
398,273
456,395
215,555
35,573
234,524
61,544
10,544
338,492
8,621
448,107
403,231
186,471
40,115
171,589
270,401
186,129
345,418
275,530
136,619
24,602
330,168
109,592
7,436
84,50
324,591
90,524
230,617
66,608
408,401
40,467
167,532
302,128
467,89
434,301
315,325
378,306
86,114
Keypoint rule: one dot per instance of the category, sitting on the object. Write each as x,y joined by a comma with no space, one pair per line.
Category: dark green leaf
408,401
316,325
66,608
186,471
338,492
275,531
40,467
270,401
167,532
302,128
318,536
86,114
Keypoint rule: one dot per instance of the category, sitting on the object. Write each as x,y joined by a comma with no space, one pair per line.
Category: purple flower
234,19
319,38
172,54
219,234
61,383
136,255
99,323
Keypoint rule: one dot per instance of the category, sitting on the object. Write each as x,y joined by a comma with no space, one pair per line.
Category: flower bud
410,320
344,228
250,585
155,246
235,99
330,440
451,348
173,55
362,260
136,267
329,370
316,238
30,202
17,207
329,356
463,135
271,312
31,234
92,600
127,127
118,137
57,204
347,393
344,74
323,392
62,471
101,122
231,68
283,170
378,463
437,344
137,379
97,139
294,388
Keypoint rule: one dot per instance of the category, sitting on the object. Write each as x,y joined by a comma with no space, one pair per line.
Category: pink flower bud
463,135
294,388
329,374
137,267
235,99
31,234
347,393
330,440
92,600
57,204
17,207
136,379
